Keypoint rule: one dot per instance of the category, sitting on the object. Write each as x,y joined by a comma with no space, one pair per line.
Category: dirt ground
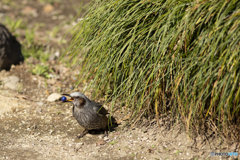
32,128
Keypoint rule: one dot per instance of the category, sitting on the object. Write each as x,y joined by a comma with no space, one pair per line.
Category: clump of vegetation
13,25
31,49
42,70
165,56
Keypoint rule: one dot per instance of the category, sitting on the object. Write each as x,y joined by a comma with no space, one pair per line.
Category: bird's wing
99,109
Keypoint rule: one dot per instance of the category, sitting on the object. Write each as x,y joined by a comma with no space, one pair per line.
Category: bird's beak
69,100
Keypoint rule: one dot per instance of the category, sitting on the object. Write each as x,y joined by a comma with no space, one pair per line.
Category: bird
89,114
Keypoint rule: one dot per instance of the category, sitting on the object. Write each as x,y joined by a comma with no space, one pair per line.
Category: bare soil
32,128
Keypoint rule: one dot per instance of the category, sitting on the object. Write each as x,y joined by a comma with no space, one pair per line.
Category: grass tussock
165,56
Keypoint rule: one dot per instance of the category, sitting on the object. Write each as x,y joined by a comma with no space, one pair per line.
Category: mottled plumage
88,114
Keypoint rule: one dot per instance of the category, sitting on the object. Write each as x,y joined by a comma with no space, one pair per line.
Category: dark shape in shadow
10,49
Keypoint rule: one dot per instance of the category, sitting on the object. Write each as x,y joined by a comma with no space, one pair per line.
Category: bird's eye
77,97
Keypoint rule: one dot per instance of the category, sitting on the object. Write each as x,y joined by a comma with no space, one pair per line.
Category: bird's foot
105,133
82,134
79,136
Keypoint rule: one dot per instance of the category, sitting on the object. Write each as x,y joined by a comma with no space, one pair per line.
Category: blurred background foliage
164,57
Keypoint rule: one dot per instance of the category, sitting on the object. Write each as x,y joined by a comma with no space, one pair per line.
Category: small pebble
100,142
39,110
40,103
54,97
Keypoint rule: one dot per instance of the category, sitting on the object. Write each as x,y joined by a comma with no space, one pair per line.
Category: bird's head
78,99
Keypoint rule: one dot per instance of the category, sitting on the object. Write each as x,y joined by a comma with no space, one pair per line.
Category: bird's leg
105,133
83,133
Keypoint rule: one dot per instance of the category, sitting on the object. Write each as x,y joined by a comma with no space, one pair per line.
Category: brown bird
89,114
